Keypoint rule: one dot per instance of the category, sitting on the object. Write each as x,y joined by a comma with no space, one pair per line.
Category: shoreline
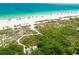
31,19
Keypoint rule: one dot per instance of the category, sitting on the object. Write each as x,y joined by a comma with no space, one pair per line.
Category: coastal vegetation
11,49
60,37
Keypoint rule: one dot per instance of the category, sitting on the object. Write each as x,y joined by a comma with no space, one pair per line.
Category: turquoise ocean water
15,9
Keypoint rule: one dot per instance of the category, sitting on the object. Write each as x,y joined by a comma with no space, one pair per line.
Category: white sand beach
24,20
